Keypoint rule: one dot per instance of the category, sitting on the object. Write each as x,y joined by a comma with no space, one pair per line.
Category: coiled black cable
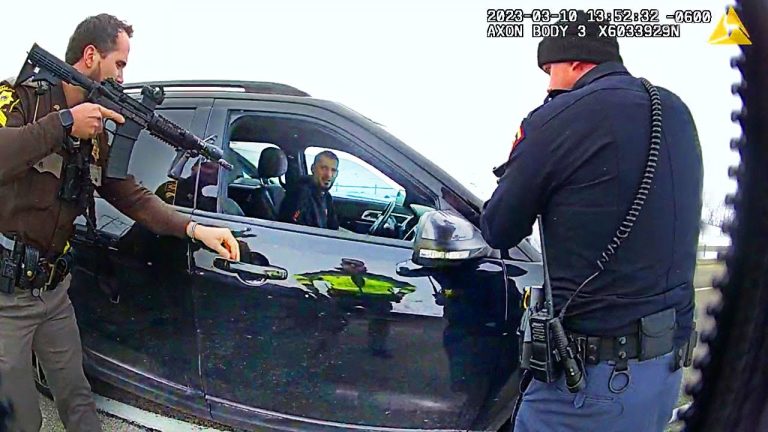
642,192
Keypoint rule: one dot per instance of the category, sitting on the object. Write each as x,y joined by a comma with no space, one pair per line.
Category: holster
24,268
684,354
9,270
654,338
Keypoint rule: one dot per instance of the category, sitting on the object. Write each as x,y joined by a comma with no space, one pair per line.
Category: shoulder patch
519,136
8,102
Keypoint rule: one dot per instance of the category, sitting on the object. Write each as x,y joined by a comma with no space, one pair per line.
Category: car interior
270,154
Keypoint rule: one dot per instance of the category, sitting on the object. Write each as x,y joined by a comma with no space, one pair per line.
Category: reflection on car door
342,336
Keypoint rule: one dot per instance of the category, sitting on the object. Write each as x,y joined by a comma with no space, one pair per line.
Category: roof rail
208,85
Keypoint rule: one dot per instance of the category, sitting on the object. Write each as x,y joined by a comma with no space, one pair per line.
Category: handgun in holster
19,268
10,268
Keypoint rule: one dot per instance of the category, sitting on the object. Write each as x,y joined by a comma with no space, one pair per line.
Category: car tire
40,381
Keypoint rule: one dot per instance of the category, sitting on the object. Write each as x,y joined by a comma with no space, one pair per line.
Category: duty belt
23,267
596,349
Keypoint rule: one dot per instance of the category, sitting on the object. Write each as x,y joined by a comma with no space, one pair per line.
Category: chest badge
95,151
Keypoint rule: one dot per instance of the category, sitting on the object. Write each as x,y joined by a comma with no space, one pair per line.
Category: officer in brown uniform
43,129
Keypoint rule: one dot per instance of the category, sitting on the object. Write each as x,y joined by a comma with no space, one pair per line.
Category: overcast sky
426,70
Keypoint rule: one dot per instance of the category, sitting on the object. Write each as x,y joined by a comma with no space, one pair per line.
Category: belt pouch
657,334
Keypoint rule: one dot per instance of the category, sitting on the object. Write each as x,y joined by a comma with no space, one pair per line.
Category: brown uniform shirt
31,158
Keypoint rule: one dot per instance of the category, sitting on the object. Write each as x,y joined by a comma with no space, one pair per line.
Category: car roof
211,87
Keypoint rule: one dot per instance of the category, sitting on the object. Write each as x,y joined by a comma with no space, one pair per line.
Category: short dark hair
100,31
328,154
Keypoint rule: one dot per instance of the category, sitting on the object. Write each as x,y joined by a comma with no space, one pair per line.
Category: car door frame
127,377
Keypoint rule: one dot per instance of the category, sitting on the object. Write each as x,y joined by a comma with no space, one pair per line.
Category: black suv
375,326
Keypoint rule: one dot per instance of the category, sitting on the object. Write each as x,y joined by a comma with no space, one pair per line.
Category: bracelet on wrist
192,232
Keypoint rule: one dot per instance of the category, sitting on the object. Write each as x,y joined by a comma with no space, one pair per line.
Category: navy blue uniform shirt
579,164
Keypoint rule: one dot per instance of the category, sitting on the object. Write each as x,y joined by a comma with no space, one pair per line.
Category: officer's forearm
23,147
506,220
494,234
144,207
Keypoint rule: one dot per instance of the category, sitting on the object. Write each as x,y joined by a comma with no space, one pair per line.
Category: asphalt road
705,273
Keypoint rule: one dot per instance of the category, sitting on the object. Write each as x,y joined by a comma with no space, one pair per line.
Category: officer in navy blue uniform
578,161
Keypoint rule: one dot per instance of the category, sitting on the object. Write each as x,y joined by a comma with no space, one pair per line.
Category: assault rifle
42,66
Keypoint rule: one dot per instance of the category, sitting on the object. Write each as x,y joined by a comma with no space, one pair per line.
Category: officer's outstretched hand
220,240
89,119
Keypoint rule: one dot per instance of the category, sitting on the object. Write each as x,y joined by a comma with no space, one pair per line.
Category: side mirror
400,198
445,239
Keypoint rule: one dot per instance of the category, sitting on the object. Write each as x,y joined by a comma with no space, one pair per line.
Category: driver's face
324,172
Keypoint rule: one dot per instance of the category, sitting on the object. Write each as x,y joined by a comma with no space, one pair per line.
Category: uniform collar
599,71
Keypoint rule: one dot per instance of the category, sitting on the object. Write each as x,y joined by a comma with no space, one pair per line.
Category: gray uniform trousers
46,324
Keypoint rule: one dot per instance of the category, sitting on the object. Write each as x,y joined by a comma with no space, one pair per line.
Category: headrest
272,163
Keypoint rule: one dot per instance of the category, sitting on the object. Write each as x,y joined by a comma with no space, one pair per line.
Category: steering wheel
382,219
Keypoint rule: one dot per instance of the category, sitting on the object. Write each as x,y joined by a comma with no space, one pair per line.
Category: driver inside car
309,201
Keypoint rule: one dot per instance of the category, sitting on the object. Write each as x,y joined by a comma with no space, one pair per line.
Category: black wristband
65,116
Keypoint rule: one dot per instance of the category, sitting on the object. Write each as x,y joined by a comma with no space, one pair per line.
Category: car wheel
40,382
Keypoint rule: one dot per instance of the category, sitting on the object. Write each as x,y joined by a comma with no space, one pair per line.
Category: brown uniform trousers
47,325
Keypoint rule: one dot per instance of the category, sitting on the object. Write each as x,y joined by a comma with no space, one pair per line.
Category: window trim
303,229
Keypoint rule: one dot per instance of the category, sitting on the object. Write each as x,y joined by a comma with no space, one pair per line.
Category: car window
245,159
358,180
356,203
151,159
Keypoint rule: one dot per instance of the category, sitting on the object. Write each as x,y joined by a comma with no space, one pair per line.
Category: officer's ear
89,56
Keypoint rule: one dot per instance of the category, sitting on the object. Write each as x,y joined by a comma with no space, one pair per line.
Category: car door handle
245,271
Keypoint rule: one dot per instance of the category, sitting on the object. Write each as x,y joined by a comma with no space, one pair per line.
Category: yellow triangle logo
730,30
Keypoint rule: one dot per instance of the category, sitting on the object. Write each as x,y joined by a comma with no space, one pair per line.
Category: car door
320,329
130,288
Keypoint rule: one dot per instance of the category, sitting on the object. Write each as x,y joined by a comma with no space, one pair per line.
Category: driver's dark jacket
579,164
306,204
